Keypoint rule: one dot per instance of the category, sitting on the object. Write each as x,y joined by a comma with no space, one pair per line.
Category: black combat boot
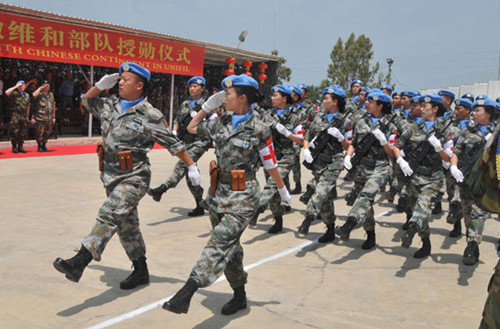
307,195
409,214
345,230
370,240
297,189
259,211
425,250
238,302
304,227
350,198
437,208
457,230
471,253
456,213
278,225
20,147
139,276
73,267
44,147
198,211
408,236
14,147
180,302
329,236
402,203
40,149
157,192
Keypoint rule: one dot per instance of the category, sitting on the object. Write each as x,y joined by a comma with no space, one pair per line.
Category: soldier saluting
130,126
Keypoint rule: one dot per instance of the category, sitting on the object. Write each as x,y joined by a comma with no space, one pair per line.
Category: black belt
225,177
136,156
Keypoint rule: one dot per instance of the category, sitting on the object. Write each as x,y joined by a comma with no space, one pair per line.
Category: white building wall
491,89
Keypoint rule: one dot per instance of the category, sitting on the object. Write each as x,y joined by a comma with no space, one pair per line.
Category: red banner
44,40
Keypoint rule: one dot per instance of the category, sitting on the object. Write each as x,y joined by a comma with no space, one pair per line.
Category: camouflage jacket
19,103
183,118
363,128
237,149
136,130
283,145
45,106
470,138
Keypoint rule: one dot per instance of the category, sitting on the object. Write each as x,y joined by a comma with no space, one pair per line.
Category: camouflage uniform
325,173
427,178
196,147
19,117
135,130
43,115
471,138
374,167
285,154
301,110
234,149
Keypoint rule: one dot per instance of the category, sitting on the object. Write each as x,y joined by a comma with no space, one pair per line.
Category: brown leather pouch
126,162
100,155
238,180
214,176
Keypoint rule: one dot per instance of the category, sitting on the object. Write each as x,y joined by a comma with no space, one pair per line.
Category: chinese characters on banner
38,39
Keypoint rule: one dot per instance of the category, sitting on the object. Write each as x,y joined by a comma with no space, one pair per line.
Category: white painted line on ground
160,302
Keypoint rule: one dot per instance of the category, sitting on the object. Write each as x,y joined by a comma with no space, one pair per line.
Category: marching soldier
44,114
130,126
196,145
20,105
241,142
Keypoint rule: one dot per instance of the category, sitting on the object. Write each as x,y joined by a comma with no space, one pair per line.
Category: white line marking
160,302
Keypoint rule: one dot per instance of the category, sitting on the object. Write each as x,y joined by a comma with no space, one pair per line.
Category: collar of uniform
136,108
248,124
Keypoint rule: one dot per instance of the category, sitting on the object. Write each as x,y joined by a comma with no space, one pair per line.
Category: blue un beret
357,81
388,87
379,96
418,93
296,89
415,100
408,93
486,102
435,98
468,95
303,86
239,80
464,102
135,68
197,80
365,88
395,94
446,93
283,89
20,81
334,90
481,97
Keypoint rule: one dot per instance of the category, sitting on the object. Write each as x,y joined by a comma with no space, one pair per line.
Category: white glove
108,81
405,167
174,132
311,144
487,137
215,101
282,130
194,175
286,199
307,156
193,114
379,135
446,164
332,131
347,162
402,153
435,143
457,174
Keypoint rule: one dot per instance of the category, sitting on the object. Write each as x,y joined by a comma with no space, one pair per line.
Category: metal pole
91,84
171,114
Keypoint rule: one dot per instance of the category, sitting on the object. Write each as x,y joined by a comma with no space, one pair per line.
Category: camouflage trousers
296,170
421,191
18,128
449,186
491,312
43,130
119,215
474,216
362,209
321,201
359,179
270,195
180,170
223,252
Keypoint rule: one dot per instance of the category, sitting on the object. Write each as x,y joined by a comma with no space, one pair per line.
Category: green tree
351,60
284,72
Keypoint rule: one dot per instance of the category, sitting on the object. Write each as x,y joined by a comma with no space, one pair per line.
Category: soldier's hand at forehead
108,81
215,101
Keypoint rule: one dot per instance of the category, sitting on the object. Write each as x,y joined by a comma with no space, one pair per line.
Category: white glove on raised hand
446,164
405,167
108,81
282,130
435,143
215,101
457,174
347,162
194,174
307,156
286,199
379,135
174,132
332,131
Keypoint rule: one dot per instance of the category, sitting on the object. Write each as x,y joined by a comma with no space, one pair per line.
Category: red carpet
55,151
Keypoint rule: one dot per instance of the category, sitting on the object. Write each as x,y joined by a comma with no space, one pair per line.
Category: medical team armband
267,155
299,130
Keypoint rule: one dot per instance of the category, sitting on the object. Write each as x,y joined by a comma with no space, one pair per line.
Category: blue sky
436,43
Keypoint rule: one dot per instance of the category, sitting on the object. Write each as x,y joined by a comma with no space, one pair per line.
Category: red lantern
229,72
262,76
249,74
247,64
230,61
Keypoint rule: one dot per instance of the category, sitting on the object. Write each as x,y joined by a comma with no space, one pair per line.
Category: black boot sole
167,306
138,283
234,310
